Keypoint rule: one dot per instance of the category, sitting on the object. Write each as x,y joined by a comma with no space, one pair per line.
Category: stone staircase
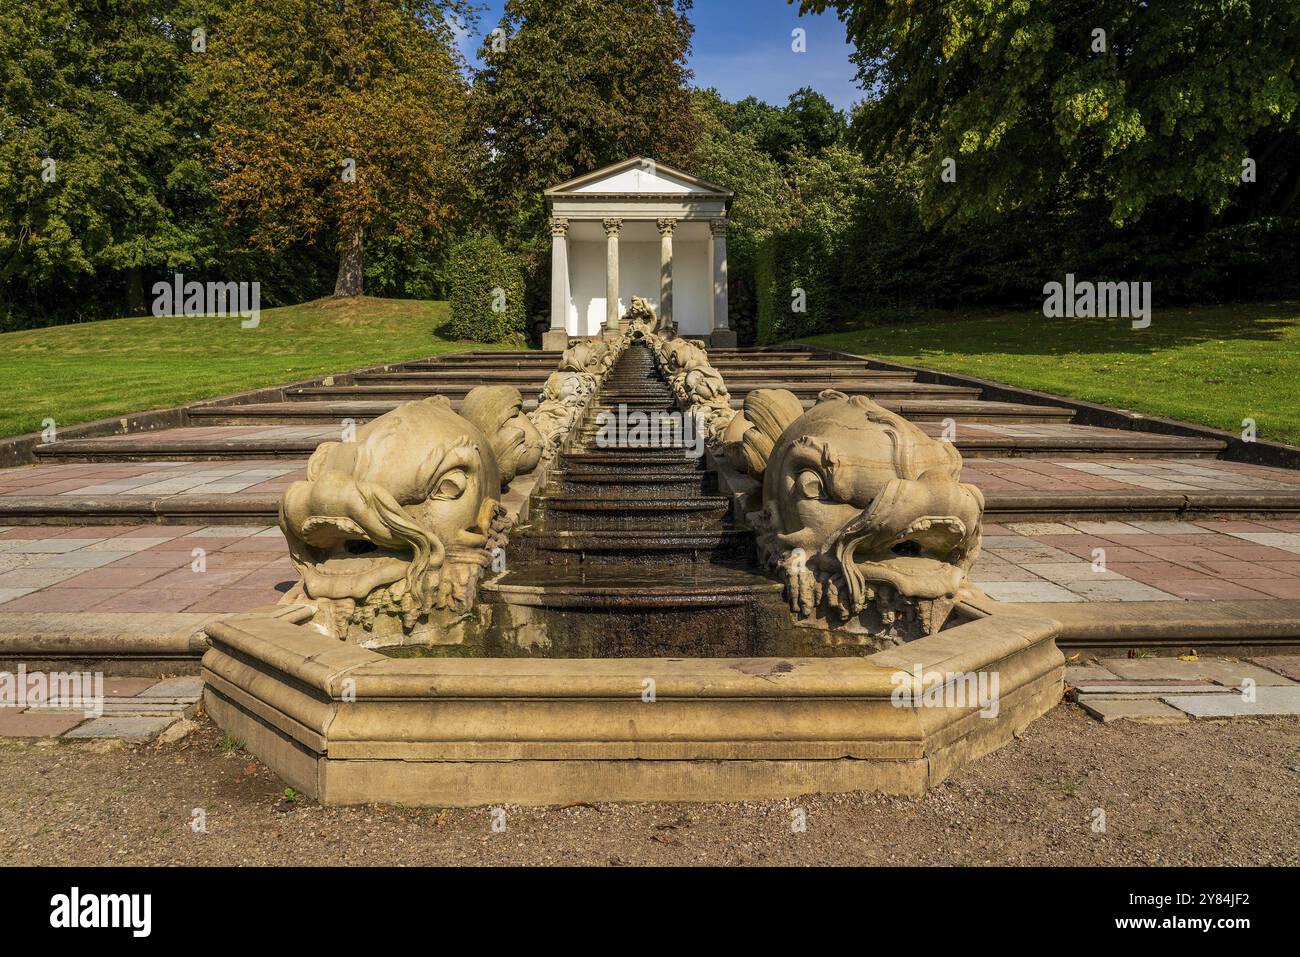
645,530
630,551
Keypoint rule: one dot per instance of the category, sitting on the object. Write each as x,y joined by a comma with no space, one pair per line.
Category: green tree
101,145
1132,103
808,122
728,154
337,119
569,87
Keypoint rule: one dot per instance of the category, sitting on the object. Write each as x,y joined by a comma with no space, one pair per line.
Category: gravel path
1205,793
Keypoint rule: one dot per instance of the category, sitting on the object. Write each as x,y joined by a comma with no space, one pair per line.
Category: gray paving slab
1144,710
1039,591
1225,671
185,687
1266,702
1089,672
121,727
1149,690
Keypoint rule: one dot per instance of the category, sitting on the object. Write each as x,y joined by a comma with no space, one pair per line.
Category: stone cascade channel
630,551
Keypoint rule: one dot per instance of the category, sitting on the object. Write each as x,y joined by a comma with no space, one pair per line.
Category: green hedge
485,286
803,260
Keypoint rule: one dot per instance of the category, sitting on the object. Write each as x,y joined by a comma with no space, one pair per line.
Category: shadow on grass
1031,334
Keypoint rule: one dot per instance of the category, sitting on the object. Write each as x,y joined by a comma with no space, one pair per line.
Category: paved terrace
100,533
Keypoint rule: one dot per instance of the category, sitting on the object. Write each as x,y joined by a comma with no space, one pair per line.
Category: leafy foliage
102,92
1030,100
336,121
570,87
486,289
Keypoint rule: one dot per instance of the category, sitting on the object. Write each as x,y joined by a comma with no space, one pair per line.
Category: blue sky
743,47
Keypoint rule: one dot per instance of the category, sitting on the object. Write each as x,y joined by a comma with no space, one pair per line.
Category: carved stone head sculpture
685,364
591,356
400,523
499,411
863,513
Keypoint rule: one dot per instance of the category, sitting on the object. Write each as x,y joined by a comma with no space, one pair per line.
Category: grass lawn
1214,365
92,370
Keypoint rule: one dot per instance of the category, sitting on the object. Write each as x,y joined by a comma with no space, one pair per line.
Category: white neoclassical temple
638,228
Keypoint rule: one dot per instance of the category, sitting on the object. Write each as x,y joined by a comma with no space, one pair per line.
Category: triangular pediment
637,176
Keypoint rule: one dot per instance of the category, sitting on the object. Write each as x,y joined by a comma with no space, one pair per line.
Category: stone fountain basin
346,725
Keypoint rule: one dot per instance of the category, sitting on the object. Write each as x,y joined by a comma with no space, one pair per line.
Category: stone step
191,444
705,611
805,371
360,411
605,459
633,546
621,483
455,376
878,389
1017,505
402,392
262,508
558,512
653,586
158,447
1074,441
304,413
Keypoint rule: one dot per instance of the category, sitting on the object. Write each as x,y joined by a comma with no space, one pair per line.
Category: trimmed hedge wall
485,286
797,284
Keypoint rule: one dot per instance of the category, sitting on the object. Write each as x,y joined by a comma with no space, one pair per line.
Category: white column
612,316
559,274
666,270
718,264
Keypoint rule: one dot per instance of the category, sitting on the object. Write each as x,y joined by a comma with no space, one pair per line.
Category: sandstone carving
589,355
863,516
642,321
685,364
565,395
560,406
498,410
391,532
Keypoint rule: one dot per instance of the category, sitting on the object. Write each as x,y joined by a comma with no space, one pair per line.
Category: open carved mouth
339,562
913,566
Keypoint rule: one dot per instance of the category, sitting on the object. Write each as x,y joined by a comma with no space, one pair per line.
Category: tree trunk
351,277
134,291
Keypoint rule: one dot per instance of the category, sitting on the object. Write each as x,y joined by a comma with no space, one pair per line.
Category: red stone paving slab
241,571
64,599
113,576
36,724
1157,573
1278,587
146,599
1210,565
145,477
1288,666
236,599
1036,474
1254,553
1227,525
1210,590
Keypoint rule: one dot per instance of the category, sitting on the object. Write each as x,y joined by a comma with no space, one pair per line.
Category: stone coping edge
1259,452
347,725
19,449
